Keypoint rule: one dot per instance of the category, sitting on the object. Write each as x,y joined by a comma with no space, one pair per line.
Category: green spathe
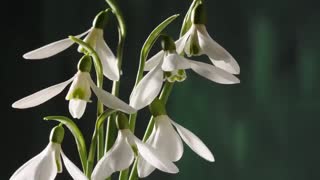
101,19
57,134
199,15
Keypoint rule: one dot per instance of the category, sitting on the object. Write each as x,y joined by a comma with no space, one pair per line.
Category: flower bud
101,19
57,134
122,121
85,64
199,15
157,108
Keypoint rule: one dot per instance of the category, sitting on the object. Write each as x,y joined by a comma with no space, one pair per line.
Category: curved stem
81,144
100,121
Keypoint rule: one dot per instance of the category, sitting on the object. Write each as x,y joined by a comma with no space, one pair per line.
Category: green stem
100,121
111,126
99,74
165,93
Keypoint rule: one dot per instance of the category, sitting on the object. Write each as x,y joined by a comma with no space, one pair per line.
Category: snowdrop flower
94,38
167,62
168,142
47,164
121,155
79,93
197,41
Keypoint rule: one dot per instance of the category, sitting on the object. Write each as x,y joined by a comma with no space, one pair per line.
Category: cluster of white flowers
164,145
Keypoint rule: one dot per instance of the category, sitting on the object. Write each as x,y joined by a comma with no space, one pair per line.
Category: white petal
174,61
194,142
153,157
108,60
217,54
42,166
144,168
110,100
213,73
181,42
118,158
147,89
73,170
154,61
165,140
77,107
41,96
52,48
28,169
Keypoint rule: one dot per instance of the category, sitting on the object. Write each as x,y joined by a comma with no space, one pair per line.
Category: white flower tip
19,105
173,169
26,56
14,105
209,157
236,81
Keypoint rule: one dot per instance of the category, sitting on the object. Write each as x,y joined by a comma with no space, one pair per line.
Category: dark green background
265,128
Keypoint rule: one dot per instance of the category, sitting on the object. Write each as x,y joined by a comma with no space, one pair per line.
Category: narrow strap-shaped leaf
149,43
144,54
81,144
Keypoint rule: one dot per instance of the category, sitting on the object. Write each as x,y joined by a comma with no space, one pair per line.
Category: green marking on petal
78,93
176,76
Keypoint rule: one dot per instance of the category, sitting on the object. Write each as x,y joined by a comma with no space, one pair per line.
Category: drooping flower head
122,154
169,65
197,41
94,38
48,163
78,95
166,138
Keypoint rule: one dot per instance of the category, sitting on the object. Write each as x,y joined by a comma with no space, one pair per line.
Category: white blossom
167,141
79,94
95,39
121,156
198,36
46,165
164,61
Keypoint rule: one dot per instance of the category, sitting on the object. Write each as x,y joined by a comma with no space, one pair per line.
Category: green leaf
81,145
149,43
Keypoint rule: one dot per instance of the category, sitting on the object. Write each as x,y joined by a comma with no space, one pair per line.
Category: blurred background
265,128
